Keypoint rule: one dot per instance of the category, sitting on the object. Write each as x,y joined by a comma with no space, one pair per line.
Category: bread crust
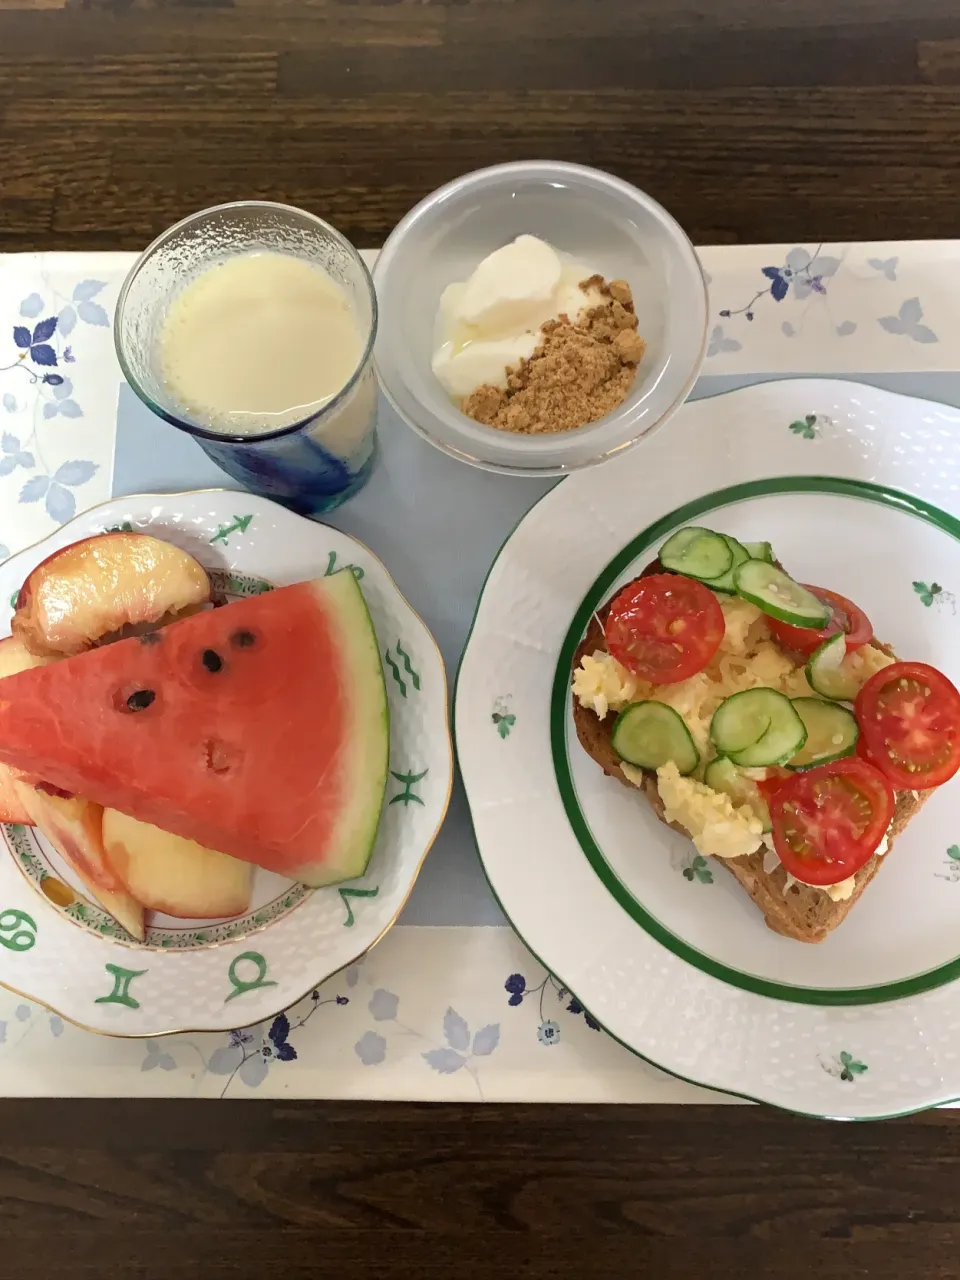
801,912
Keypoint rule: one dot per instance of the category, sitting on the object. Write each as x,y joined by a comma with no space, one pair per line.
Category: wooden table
751,120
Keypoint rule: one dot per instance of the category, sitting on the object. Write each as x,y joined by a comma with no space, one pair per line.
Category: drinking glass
311,465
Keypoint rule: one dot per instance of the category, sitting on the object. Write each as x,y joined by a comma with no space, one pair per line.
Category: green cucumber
696,553
726,582
776,593
757,728
651,734
723,775
760,551
832,733
828,673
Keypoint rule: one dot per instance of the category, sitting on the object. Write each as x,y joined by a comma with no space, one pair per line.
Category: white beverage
257,342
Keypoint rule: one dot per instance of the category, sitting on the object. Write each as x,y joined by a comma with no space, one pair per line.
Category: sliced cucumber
723,775
726,582
698,553
757,728
760,551
832,733
828,672
776,593
651,734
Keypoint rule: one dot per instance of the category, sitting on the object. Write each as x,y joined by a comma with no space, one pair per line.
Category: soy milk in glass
251,327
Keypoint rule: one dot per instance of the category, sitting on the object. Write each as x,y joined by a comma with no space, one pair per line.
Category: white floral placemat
493,1025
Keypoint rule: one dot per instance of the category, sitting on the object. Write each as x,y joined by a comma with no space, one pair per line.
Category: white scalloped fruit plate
59,948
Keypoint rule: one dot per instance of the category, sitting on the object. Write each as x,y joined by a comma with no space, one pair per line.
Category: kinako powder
577,374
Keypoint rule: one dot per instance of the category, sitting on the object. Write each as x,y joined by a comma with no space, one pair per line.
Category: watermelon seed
243,639
212,661
150,637
140,699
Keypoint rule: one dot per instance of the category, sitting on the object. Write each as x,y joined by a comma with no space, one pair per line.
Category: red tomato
909,717
664,627
828,821
846,617
863,751
770,785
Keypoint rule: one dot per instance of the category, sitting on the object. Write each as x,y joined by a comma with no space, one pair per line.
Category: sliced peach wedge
101,586
11,810
75,829
170,874
73,826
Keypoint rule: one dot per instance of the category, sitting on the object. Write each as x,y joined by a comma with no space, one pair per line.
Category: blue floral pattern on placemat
807,278
801,276
250,1053
548,1030
37,391
459,1049
907,322
819,296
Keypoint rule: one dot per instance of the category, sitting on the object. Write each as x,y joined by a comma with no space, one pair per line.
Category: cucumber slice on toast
697,553
757,728
760,551
776,593
832,733
828,672
726,583
723,775
651,734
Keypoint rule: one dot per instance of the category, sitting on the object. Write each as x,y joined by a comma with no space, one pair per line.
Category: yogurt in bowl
492,321
590,221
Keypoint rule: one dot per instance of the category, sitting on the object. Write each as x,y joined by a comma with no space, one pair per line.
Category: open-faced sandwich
763,720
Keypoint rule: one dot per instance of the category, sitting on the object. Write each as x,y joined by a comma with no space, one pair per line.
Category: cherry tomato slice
846,617
664,628
770,785
909,717
863,751
828,821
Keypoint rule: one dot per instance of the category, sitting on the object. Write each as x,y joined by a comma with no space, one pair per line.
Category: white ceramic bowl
607,224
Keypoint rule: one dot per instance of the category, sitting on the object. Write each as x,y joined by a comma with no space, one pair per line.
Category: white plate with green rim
853,487
59,948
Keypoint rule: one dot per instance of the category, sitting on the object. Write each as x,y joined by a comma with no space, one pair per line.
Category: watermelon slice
259,729
14,657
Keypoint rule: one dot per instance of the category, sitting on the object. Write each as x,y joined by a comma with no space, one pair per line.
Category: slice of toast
801,912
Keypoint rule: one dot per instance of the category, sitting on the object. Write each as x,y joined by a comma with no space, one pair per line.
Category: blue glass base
318,504
295,471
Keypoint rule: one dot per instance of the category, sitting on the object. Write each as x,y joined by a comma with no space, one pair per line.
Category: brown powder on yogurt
580,372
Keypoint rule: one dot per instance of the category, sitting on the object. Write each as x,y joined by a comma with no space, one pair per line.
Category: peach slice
75,829
11,810
170,874
101,585
13,658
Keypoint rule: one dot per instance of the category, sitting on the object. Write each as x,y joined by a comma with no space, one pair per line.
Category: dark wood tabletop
751,120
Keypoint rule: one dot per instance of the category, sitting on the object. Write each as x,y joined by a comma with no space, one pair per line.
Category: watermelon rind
367,739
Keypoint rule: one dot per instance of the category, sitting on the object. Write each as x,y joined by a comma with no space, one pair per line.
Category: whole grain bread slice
800,912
